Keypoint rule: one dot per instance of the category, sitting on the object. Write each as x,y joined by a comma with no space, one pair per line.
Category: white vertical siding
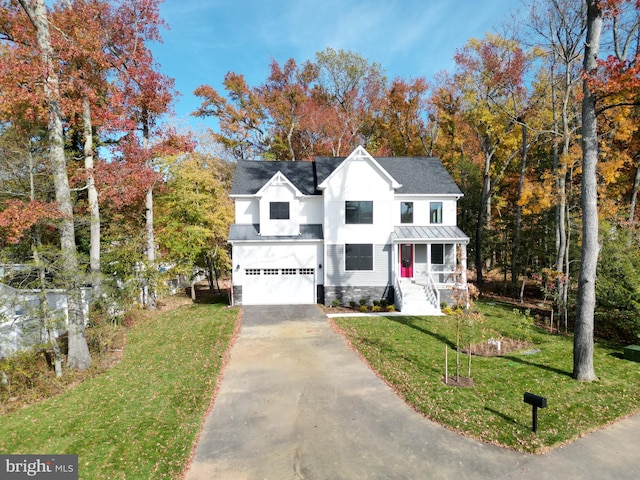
358,180
421,209
279,193
247,210
311,210
449,213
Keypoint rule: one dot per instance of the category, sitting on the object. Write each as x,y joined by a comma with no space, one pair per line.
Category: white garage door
278,286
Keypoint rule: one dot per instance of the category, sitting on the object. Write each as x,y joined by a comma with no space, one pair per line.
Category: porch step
417,300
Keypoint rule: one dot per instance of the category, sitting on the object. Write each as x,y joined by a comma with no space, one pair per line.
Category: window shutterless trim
358,212
279,211
358,257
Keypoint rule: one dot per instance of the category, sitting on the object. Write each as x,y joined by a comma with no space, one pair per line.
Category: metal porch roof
428,233
251,232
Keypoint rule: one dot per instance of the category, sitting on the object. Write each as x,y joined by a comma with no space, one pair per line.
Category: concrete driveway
297,403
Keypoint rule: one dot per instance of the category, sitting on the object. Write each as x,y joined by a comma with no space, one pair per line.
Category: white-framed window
279,210
406,212
437,254
435,212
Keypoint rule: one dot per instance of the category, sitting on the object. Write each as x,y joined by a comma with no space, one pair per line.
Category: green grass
140,419
409,353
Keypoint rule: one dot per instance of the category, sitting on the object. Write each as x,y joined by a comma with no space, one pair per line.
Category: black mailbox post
536,402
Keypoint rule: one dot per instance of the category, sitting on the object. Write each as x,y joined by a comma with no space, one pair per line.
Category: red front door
406,261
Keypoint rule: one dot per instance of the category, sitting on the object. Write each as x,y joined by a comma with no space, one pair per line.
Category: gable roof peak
360,153
279,179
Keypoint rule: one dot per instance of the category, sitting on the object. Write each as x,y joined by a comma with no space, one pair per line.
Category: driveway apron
296,402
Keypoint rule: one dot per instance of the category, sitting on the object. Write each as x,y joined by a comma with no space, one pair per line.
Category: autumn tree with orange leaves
81,71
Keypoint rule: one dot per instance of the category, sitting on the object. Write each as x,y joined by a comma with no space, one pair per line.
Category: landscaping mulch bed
462,382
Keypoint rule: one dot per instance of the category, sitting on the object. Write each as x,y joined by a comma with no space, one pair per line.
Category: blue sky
409,38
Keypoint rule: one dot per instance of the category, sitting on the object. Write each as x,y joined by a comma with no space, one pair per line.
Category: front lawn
409,352
139,419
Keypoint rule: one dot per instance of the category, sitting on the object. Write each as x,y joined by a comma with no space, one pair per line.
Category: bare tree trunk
458,350
634,193
44,301
210,275
515,266
78,350
151,298
562,252
151,294
46,312
562,24
193,288
484,202
92,193
583,333
212,270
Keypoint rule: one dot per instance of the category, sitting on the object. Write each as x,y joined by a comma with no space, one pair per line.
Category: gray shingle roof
420,175
417,175
251,175
239,232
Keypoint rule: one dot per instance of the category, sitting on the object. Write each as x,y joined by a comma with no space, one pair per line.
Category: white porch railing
444,274
432,291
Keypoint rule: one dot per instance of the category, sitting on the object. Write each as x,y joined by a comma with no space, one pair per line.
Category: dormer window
279,210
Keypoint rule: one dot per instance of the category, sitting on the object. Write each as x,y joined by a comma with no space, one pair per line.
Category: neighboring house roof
250,232
431,232
416,175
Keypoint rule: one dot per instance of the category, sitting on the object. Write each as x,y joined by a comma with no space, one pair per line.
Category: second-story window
435,212
279,210
406,212
359,212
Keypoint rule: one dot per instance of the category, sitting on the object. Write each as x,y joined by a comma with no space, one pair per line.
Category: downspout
324,266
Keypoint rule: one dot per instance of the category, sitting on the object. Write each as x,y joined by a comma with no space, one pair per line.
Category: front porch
429,268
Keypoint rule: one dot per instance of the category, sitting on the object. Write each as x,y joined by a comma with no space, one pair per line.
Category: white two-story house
346,229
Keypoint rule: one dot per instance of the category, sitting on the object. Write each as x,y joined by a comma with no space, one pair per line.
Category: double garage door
278,286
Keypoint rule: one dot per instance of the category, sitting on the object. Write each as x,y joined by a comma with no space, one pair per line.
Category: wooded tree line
94,188
539,131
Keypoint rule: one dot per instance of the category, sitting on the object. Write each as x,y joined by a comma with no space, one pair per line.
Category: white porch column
463,263
394,262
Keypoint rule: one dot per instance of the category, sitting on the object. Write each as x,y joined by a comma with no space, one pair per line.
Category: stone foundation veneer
237,295
353,294
448,296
